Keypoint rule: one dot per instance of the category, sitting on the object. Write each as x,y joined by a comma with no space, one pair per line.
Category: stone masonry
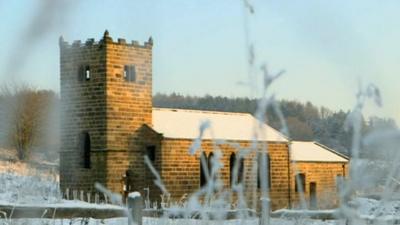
111,110
325,175
181,171
106,129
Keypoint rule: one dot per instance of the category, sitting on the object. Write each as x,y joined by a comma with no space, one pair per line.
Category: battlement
107,39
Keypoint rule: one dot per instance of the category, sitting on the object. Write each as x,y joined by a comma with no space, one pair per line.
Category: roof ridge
184,123
303,141
202,111
301,152
331,150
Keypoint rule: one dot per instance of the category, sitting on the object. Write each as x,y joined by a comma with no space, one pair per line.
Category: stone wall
111,109
83,109
325,175
117,115
129,107
180,171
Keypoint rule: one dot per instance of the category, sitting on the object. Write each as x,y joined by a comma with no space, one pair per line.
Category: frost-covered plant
27,189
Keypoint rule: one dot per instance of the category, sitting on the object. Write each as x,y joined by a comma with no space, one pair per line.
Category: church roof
182,123
310,151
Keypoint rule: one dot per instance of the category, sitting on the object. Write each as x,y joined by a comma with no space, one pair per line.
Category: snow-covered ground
371,208
29,190
156,221
33,189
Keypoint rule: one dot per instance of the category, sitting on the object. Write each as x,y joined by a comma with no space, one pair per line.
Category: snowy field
34,190
156,221
27,189
31,190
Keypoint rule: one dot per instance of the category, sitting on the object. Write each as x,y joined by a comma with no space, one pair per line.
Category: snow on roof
182,123
314,152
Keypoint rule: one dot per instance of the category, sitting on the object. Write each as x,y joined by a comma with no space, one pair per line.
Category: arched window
85,147
240,170
232,161
210,163
203,161
262,174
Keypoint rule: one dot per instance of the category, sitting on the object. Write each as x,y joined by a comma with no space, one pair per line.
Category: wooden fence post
135,206
265,211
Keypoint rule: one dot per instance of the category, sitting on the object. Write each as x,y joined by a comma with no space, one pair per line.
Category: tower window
85,147
84,73
87,73
151,152
130,73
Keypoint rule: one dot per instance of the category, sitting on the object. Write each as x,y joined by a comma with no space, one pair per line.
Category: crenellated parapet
106,39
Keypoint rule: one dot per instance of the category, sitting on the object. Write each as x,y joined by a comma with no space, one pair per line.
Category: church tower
106,98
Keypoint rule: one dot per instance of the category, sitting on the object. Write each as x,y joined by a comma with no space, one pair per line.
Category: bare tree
26,109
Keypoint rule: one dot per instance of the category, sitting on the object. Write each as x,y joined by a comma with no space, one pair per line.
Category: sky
326,48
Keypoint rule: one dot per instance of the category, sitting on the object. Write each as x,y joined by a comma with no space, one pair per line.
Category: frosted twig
158,181
54,215
282,121
4,214
204,125
114,197
43,214
269,78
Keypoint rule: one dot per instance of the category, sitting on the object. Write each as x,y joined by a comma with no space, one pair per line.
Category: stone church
109,125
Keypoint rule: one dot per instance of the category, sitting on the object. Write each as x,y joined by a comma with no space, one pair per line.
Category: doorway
313,195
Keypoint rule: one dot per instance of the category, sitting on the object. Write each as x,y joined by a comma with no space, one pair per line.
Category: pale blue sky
325,46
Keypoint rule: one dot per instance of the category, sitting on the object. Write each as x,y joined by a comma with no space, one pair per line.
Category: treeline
305,121
29,119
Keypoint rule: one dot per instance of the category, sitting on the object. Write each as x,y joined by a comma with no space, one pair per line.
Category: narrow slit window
84,73
130,73
87,73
